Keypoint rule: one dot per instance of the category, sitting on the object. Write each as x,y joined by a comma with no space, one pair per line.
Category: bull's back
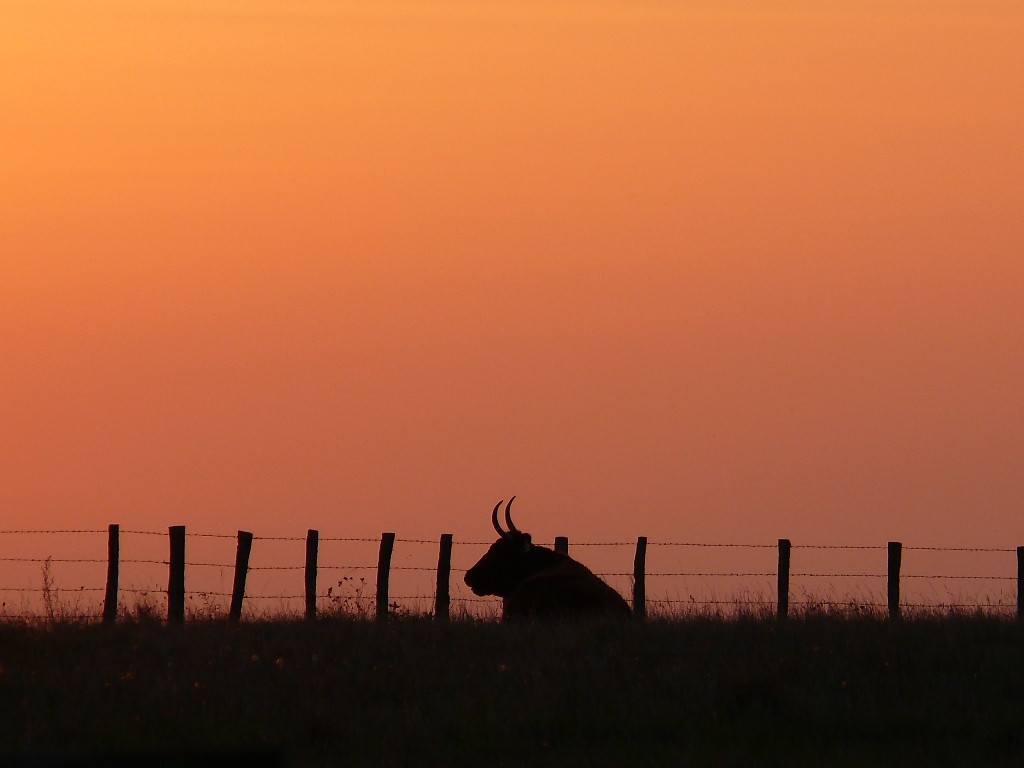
567,589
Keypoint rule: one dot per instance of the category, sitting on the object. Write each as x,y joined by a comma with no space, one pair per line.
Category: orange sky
695,270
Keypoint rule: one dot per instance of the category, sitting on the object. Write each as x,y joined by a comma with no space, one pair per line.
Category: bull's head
507,562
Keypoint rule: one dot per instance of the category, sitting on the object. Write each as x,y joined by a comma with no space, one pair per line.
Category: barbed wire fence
763,589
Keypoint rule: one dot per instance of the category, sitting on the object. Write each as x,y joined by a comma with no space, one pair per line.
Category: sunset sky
703,271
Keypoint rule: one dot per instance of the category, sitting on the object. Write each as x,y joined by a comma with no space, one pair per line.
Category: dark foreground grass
813,691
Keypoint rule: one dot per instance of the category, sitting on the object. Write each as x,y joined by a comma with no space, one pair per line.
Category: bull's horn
494,519
508,517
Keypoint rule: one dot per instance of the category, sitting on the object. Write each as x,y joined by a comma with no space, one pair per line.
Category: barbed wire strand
815,575
53,589
961,549
347,538
136,531
51,560
55,530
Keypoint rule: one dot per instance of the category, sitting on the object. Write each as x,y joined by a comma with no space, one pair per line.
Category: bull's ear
526,542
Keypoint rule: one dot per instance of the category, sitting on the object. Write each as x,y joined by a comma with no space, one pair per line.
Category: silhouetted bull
537,581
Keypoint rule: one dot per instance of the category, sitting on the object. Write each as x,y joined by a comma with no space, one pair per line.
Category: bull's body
563,589
537,582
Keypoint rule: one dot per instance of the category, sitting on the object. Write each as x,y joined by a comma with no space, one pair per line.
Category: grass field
816,690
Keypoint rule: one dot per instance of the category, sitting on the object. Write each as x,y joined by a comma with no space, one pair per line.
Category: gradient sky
714,271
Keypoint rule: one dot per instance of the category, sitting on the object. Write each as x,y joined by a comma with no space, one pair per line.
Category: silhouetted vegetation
815,690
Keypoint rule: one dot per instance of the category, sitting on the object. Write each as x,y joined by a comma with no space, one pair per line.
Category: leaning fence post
783,588
1020,583
387,546
895,558
312,545
640,579
562,544
442,597
113,557
176,575
241,570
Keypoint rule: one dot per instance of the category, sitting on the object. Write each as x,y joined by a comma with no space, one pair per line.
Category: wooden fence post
113,558
387,546
176,576
241,571
1020,583
895,559
562,544
442,597
312,546
783,588
640,579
